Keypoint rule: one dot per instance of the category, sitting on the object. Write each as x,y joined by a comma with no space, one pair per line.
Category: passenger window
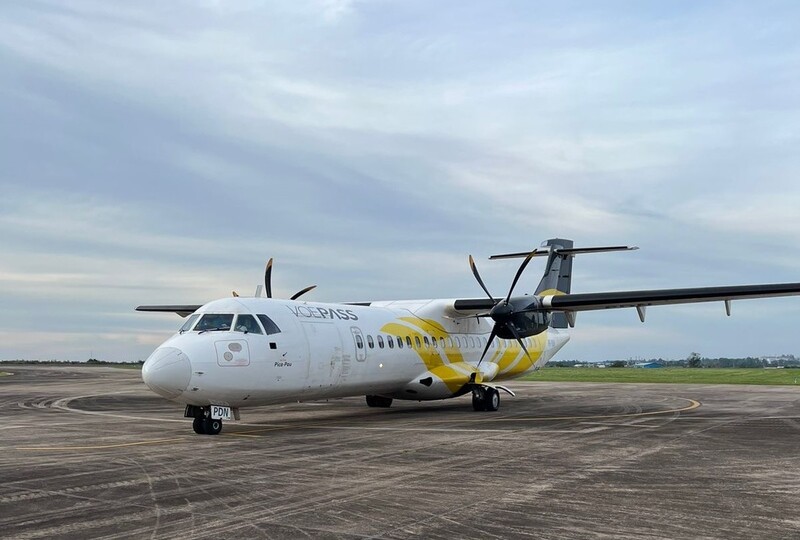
408,342
189,323
399,342
471,341
416,340
214,321
247,324
359,342
370,342
427,342
269,326
441,342
380,341
390,341
449,343
435,344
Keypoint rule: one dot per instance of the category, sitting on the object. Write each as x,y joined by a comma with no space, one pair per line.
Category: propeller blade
488,344
268,278
519,339
519,273
478,277
298,294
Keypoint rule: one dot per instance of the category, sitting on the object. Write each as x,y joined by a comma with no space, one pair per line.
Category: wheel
491,399
478,400
197,425
212,426
379,401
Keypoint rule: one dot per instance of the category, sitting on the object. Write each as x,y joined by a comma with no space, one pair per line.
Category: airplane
240,352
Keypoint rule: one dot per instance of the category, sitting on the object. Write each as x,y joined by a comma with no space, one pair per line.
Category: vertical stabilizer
557,275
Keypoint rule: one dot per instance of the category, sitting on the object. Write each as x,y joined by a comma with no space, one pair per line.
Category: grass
4,374
669,375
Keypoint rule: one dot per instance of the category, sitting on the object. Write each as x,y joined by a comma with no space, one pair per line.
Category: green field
4,374
668,375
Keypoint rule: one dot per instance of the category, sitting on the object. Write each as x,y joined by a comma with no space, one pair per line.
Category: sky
161,152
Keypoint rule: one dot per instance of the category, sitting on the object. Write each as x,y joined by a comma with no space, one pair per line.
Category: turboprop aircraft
242,352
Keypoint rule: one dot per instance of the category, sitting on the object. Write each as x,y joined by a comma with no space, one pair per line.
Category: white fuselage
417,350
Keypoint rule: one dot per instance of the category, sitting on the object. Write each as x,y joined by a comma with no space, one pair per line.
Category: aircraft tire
478,401
197,425
492,399
379,401
212,426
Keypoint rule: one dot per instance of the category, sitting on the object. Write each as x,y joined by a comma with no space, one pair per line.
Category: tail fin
557,278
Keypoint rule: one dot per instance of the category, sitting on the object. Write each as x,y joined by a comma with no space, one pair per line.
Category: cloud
162,152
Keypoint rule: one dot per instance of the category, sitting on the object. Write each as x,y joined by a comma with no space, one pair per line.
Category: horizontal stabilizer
563,251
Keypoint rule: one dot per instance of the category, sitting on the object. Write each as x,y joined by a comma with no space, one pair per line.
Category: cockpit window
214,321
189,323
269,326
247,324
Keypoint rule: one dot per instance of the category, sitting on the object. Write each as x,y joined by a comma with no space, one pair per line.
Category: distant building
647,365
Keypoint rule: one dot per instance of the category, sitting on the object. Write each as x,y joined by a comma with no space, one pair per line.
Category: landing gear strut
203,424
485,398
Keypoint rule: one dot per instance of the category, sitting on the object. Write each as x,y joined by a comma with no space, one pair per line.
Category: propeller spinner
504,311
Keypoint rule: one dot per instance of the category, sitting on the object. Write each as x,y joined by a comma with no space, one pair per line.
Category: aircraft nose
167,372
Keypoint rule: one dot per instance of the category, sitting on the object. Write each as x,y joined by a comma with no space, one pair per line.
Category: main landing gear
485,398
203,424
379,401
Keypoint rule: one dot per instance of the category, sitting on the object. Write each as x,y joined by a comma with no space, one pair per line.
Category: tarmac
92,453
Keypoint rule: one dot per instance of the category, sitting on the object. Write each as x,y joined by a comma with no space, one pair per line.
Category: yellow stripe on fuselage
426,328
511,360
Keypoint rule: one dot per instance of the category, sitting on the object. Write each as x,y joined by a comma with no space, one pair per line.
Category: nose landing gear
207,426
203,424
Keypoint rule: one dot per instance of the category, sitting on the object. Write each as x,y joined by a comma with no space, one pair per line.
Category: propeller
504,310
268,283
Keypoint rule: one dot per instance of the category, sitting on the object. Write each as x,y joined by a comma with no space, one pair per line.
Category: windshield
269,326
247,324
214,321
189,323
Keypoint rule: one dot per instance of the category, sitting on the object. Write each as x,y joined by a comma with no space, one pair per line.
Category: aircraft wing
623,299
572,303
182,310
